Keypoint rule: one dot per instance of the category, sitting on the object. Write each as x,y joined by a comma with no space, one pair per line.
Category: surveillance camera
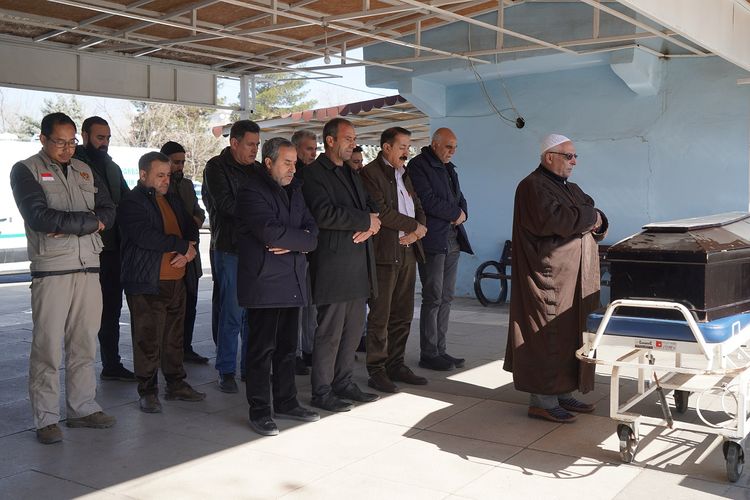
520,122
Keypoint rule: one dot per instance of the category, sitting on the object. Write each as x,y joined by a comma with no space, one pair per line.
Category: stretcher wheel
735,458
681,400
628,443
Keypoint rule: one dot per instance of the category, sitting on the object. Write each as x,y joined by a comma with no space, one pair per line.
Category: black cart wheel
735,457
485,271
681,400
628,443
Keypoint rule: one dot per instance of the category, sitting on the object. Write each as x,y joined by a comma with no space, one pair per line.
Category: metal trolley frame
724,368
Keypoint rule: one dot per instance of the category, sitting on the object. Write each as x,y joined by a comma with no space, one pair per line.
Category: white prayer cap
553,140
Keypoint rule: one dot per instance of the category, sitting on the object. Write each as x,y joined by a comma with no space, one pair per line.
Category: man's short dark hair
149,158
357,149
389,135
272,146
331,128
52,119
93,120
171,147
242,127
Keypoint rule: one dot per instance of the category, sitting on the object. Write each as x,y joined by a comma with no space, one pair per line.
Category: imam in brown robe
554,283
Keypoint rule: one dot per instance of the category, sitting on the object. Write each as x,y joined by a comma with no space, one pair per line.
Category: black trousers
109,330
191,304
157,324
269,366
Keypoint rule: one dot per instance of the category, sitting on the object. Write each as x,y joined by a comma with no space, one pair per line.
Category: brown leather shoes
404,374
380,382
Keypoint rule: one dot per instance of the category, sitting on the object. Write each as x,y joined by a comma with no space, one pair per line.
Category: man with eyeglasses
96,135
64,207
554,284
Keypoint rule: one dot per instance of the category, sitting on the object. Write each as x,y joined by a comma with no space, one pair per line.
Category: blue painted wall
680,153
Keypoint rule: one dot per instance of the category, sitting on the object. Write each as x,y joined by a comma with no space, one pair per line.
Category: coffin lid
703,237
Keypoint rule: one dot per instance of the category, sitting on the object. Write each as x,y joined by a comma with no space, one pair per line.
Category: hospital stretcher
684,356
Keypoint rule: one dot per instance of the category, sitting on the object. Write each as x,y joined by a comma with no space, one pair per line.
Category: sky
350,87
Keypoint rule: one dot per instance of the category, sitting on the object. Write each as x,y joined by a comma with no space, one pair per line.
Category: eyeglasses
568,156
60,144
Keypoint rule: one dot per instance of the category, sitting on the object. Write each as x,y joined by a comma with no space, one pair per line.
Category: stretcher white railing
721,367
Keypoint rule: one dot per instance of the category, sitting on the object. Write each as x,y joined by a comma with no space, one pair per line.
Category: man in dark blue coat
436,183
275,231
158,241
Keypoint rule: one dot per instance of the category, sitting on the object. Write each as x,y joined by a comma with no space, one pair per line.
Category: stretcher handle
652,304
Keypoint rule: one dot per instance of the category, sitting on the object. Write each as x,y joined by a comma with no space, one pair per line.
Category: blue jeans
232,319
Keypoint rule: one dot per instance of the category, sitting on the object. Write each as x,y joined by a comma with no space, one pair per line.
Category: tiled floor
464,435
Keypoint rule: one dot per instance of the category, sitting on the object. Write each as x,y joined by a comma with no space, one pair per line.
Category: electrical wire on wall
518,121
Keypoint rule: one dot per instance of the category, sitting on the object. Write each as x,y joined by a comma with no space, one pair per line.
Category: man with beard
356,162
96,135
342,267
185,191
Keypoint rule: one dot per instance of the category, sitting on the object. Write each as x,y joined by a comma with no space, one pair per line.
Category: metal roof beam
619,15
341,27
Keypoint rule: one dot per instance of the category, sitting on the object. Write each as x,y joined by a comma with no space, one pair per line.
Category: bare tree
154,124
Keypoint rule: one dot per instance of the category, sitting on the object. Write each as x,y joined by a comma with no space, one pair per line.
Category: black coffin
703,262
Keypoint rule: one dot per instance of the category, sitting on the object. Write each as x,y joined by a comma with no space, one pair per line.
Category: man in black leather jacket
221,180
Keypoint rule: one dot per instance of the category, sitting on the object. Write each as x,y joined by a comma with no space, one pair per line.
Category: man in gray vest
64,207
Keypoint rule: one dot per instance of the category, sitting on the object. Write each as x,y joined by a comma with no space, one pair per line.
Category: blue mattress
714,331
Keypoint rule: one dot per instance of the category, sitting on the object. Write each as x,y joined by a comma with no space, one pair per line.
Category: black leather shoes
190,356
457,362
265,426
330,402
300,368
149,403
354,393
380,382
438,363
227,383
404,374
118,372
299,413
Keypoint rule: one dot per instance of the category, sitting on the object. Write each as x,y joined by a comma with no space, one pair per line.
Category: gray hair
272,146
303,134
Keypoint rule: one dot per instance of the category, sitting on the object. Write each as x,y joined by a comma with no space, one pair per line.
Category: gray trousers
438,277
336,339
66,310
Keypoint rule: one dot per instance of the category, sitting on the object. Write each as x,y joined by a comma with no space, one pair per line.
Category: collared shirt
405,201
